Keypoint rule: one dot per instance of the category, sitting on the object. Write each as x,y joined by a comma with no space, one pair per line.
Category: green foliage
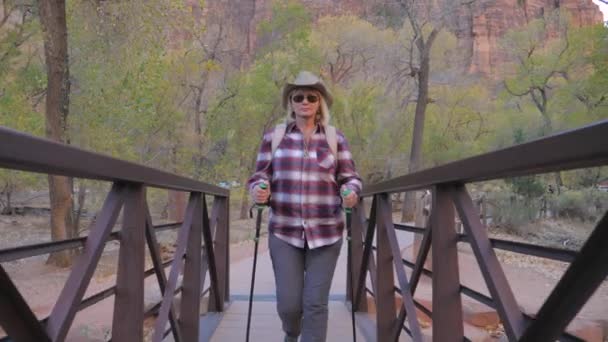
349,48
584,178
529,187
22,88
458,123
288,27
558,72
356,114
123,101
585,204
513,211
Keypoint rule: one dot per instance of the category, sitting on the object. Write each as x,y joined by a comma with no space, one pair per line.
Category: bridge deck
265,323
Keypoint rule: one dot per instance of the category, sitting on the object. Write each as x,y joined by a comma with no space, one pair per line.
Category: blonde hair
323,109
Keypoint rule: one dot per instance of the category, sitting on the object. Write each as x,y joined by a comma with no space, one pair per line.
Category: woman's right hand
259,195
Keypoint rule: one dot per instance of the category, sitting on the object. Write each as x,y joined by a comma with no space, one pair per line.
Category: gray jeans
303,278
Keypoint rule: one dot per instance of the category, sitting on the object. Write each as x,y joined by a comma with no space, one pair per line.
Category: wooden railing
584,147
202,247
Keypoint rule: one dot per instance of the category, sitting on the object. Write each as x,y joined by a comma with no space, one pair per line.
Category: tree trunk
421,220
53,20
558,182
176,200
8,207
409,201
198,130
82,196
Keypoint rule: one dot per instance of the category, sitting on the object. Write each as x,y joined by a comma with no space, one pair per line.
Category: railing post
447,304
358,220
368,263
496,281
159,269
191,290
212,227
194,203
385,284
222,256
385,214
65,309
127,324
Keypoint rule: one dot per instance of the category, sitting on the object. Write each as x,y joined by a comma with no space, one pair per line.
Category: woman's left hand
349,200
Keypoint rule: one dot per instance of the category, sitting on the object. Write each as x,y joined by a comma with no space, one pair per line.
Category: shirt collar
291,127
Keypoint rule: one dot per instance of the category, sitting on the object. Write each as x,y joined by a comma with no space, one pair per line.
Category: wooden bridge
382,276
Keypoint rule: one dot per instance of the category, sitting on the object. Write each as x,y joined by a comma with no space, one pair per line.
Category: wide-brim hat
307,79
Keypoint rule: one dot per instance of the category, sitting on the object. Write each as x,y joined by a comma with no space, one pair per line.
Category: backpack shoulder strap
332,140
277,136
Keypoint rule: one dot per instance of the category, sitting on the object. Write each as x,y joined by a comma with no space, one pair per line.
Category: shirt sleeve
347,173
263,164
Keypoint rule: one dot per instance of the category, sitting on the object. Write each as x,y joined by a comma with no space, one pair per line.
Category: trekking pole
348,212
258,223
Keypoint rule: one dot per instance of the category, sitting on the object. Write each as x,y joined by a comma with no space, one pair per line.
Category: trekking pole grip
346,192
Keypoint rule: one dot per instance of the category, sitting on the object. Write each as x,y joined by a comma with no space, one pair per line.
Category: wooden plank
267,326
386,225
191,292
492,272
22,151
358,222
159,270
558,152
367,262
16,317
425,247
182,239
447,304
215,212
385,288
217,256
128,319
65,309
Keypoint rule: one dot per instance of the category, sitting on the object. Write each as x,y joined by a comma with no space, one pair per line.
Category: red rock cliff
478,26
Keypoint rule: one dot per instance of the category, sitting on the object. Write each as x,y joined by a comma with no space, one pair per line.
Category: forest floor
40,283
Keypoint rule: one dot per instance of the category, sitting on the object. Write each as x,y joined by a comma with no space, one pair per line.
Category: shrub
513,211
585,205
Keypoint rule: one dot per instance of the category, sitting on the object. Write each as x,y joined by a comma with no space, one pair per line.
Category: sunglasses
309,98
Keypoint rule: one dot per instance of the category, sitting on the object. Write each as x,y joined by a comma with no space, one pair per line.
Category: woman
306,177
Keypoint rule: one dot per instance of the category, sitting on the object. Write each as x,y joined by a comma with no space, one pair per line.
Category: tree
541,62
459,122
426,26
554,63
22,87
54,26
350,47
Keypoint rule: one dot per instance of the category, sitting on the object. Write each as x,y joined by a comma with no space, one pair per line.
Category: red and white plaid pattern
305,187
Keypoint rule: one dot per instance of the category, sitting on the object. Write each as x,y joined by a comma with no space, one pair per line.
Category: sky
603,8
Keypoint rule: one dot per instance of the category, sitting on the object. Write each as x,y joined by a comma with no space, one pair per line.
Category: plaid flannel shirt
305,181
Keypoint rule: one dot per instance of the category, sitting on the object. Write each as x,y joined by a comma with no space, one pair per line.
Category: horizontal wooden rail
21,151
559,254
22,252
578,148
